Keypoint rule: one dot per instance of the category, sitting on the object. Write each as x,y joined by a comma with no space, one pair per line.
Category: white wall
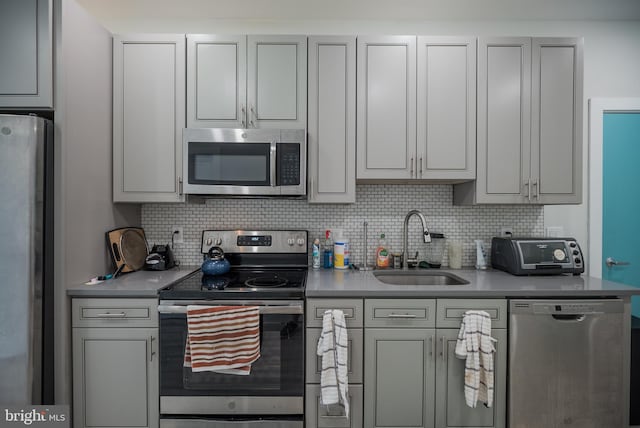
83,207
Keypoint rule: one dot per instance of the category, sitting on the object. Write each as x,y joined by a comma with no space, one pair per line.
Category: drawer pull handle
392,315
110,315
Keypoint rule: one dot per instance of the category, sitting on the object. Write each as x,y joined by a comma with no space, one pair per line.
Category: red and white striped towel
222,339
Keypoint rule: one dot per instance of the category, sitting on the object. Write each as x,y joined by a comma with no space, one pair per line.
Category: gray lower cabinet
451,410
411,375
115,363
320,416
399,377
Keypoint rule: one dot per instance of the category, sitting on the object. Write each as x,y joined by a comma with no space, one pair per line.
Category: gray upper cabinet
416,108
148,117
446,109
386,114
216,81
332,119
26,34
556,120
529,122
247,81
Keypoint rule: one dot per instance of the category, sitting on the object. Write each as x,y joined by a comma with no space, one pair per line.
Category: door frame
597,108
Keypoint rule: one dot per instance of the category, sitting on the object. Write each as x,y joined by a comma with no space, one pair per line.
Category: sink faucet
405,237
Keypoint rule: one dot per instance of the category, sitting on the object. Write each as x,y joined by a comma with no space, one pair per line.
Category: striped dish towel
222,339
332,347
476,345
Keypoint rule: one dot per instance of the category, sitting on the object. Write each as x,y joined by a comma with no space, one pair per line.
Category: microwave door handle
272,163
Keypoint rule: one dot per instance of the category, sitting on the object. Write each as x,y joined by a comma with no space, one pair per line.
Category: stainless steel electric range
268,270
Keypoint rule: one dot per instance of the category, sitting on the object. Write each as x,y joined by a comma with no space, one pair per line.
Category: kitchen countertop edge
131,285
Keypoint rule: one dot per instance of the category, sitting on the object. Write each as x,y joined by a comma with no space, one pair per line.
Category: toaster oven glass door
545,252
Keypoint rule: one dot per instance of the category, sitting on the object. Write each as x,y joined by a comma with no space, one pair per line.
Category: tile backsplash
383,206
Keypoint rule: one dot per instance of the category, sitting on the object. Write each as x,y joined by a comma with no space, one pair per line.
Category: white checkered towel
332,347
475,344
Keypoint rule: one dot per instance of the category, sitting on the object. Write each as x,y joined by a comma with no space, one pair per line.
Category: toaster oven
537,256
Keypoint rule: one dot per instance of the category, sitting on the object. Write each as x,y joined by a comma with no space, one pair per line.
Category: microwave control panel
288,166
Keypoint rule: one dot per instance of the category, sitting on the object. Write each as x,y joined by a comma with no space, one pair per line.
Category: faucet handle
426,237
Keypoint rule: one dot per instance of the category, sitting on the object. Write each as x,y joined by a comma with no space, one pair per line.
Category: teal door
621,200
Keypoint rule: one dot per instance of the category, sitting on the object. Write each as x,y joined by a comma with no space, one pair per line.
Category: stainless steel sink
418,278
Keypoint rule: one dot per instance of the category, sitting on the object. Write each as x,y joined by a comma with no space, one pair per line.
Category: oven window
241,164
278,372
542,252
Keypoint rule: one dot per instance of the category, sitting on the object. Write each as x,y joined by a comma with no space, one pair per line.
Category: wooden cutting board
128,248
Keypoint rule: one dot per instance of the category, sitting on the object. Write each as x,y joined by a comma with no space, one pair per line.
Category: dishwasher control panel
565,307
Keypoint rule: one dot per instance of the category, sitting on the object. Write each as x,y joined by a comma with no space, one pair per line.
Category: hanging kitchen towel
222,339
475,344
332,347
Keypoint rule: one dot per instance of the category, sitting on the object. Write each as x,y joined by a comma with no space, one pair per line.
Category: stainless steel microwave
244,162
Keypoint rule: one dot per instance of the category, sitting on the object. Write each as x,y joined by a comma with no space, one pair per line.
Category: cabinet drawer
450,311
401,313
352,308
319,416
114,313
354,352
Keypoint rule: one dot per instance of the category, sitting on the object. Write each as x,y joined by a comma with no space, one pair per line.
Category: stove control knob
208,242
291,241
301,241
218,241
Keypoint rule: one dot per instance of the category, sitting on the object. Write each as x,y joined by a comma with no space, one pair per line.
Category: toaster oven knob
559,254
572,244
291,241
301,241
576,252
577,260
218,241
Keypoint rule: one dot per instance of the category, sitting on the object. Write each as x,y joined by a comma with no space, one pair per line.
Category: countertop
488,283
144,283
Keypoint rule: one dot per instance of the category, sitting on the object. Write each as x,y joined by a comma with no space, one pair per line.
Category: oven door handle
266,310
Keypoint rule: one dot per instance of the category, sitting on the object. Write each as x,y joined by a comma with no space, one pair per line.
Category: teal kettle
215,264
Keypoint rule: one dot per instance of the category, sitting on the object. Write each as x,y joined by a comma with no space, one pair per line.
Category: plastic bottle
315,253
481,262
382,253
341,251
327,251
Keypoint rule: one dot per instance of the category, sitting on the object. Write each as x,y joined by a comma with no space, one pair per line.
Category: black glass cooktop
239,283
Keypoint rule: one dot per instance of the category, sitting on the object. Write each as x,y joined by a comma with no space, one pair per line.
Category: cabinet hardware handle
411,166
243,116
536,194
431,346
526,183
180,185
151,351
420,166
392,315
442,351
254,116
110,315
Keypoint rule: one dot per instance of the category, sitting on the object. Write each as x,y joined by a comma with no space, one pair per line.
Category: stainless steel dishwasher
567,363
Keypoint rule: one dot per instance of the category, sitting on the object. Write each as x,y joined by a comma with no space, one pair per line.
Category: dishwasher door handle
569,318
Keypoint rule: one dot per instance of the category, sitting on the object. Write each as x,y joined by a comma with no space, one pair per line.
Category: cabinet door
332,119
216,81
451,408
318,415
504,76
354,355
26,77
556,121
115,377
386,85
148,117
399,377
277,82
446,112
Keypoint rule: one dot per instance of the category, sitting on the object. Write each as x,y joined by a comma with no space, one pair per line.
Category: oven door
275,385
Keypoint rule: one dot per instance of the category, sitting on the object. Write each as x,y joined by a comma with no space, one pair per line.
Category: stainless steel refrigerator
26,260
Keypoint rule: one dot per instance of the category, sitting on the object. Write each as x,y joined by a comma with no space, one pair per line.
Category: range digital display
254,241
